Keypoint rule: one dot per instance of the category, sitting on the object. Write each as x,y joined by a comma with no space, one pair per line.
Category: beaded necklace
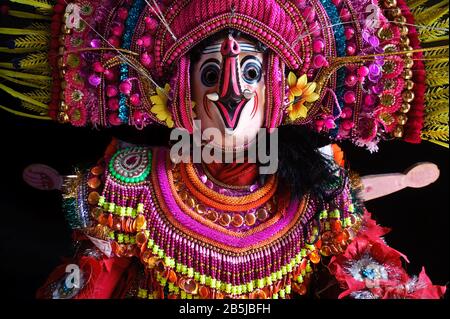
190,256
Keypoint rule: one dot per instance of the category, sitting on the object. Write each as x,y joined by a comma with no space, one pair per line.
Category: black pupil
252,73
210,75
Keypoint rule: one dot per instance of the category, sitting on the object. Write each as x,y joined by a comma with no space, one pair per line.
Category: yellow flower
159,107
301,91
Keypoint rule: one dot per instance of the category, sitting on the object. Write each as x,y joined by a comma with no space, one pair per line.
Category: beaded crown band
361,70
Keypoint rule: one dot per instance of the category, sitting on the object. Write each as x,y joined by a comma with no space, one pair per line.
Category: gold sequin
237,220
225,220
250,219
262,214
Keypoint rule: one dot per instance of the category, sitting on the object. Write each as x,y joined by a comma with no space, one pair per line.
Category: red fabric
236,174
102,277
398,284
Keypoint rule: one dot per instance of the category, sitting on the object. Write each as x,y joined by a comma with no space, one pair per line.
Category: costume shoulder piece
200,239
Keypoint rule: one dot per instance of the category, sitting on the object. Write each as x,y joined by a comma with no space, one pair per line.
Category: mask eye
251,70
210,74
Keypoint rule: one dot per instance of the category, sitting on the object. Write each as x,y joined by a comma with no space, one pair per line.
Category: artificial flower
78,115
370,269
300,91
419,287
160,108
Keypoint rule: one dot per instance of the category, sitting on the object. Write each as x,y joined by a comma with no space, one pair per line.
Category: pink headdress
353,69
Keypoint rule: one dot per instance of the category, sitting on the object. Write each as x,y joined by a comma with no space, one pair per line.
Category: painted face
228,89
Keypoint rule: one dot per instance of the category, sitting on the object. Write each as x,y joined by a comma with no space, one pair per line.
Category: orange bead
225,220
97,170
146,255
123,221
262,214
336,225
267,291
110,221
115,248
319,243
303,264
325,251
141,222
237,220
200,209
191,286
181,282
297,271
129,225
346,234
93,198
172,276
212,215
277,286
94,182
117,224
219,295
259,294
151,262
314,257
203,292
250,219
339,237
103,219
141,238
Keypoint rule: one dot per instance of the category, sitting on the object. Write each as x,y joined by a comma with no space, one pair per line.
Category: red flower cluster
369,268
